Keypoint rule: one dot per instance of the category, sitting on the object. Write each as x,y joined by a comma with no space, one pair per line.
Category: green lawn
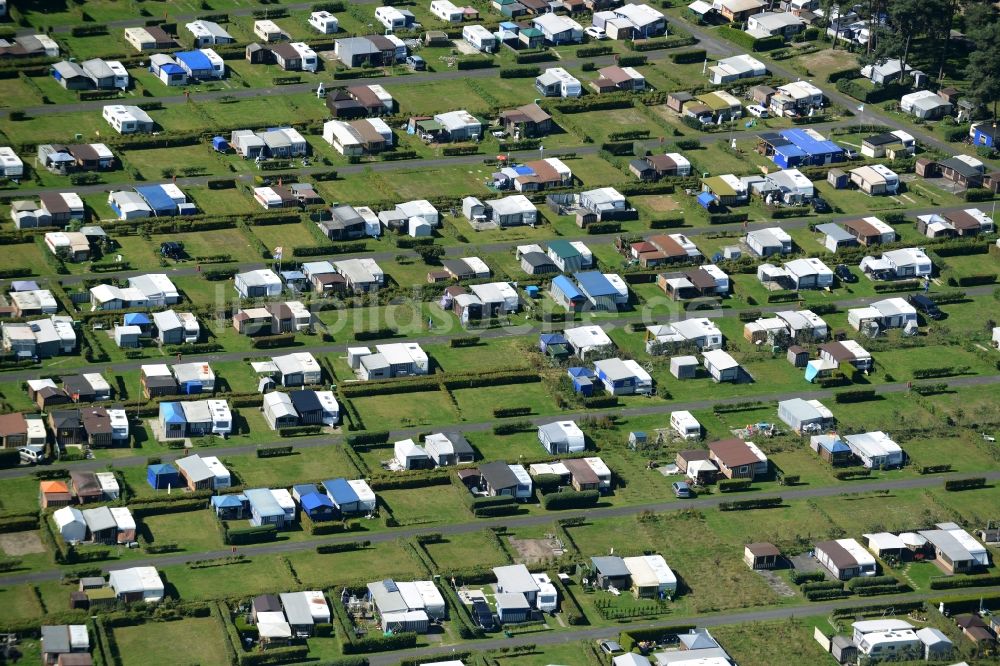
313,464
18,602
284,235
381,561
192,531
250,576
178,643
411,409
211,243
458,552
423,506
154,163
767,643
477,404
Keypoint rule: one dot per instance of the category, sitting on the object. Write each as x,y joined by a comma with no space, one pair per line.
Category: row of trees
897,27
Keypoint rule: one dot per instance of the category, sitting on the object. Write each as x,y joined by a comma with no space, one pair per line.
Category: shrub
746,505
272,341
850,474
274,451
857,395
965,484
519,72
474,62
953,582
507,412
686,57
570,499
799,577
748,42
469,341
594,51
734,485
631,60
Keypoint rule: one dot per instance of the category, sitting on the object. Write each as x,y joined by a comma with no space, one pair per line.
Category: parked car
611,647
844,273
819,205
172,250
924,304
595,33
682,489
757,111
416,63
32,455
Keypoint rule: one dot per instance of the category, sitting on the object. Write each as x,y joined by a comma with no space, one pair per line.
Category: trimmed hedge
571,499
857,395
849,474
687,57
749,42
746,505
965,484
526,72
594,51
274,451
272,341
734,485
474,62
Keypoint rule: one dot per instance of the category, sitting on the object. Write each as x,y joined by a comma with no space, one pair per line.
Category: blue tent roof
304,489
566,286
219,142
171,69
161,469
136,319
292,275
228,501
581,372
171,412
552,338
158,199
341,492
808,144
706,199
522,170
595,284
195,60
24,285
314,501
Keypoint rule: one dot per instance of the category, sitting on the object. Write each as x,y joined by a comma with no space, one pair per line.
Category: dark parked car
482,614
819,205
844,273
924,304
172,250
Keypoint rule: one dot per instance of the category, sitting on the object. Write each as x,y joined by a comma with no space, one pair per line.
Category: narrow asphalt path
511,523
760,614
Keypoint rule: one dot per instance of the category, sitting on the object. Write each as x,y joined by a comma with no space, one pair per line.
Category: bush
328,548
469,341
570,499
978,194
975,280
850,474
519,72
857,395
748,42
746,505
667,223
9,458
274,451
300,431
799,577
272,341
965,484
953,582
687,57
734,485
727,218
594,51
631,60
474,62
867,581
247,535
598,228
507,412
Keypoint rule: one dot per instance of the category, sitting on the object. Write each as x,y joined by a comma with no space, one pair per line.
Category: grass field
192,531
384,560
767,643
18,602
423,506
305,465
192,641
458,552
393,411
478,404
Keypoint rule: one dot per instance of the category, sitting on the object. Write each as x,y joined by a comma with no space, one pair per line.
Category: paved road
543,639
330,440
512,523
871,115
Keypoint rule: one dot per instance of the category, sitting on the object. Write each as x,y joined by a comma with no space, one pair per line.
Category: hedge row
525,72
749,42
734,485
965,484
857,395
745,505
570,499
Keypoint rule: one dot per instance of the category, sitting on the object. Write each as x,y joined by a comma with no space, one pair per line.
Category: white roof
123,518
884,541
639,15
720,359
272,625
685,419
599,467
554,23
857,551
587,337
873,444
97,381
874,626
279,404
800,90
459,119
155,370
650,570
296,362
136,579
